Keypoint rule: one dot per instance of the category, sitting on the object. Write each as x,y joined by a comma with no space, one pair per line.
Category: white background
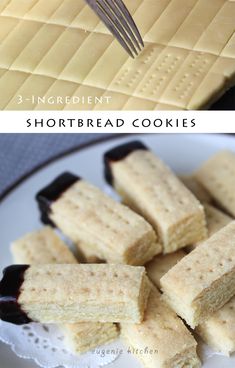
206,121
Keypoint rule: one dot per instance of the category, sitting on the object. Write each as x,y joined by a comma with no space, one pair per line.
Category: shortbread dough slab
151,188
99,225
73,293
184,64
217,175
43,247
162,336
204,280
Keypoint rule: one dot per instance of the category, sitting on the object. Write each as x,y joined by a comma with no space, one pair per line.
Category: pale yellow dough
45,50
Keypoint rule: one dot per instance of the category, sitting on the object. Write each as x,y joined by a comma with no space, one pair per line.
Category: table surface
21,154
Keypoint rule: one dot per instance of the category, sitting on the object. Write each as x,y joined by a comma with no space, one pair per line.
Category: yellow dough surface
57,55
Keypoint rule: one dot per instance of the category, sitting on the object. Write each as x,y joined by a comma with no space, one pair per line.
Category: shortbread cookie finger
204,280
217,175
161,340
40,247
85,336
99,225
215,219
44,246
218,331
151,188
196,188
73,293
162,264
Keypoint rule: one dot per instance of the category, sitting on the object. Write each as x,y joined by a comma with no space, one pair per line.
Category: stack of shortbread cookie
165,259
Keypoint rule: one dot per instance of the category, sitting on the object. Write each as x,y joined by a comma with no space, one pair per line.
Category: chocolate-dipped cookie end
117,154
52,192
10,289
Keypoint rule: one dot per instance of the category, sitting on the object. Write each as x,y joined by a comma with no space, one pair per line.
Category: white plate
19,214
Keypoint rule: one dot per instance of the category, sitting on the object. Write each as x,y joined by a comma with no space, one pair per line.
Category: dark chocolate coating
52,192
119,153
10,285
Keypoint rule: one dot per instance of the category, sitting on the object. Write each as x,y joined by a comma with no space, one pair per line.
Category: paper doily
44,344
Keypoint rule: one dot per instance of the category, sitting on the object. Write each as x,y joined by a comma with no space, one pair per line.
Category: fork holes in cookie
85,290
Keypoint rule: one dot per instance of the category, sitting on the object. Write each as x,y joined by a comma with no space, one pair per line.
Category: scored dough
184,65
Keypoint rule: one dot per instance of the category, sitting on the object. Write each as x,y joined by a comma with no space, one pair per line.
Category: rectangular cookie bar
196,188
73,293
217,175
41,247
218,331
44,246
99,225
204,280
151,188
161,264
162,337
216,220
85,336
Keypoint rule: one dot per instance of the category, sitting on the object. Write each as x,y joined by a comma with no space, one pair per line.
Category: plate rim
80,147
98,142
